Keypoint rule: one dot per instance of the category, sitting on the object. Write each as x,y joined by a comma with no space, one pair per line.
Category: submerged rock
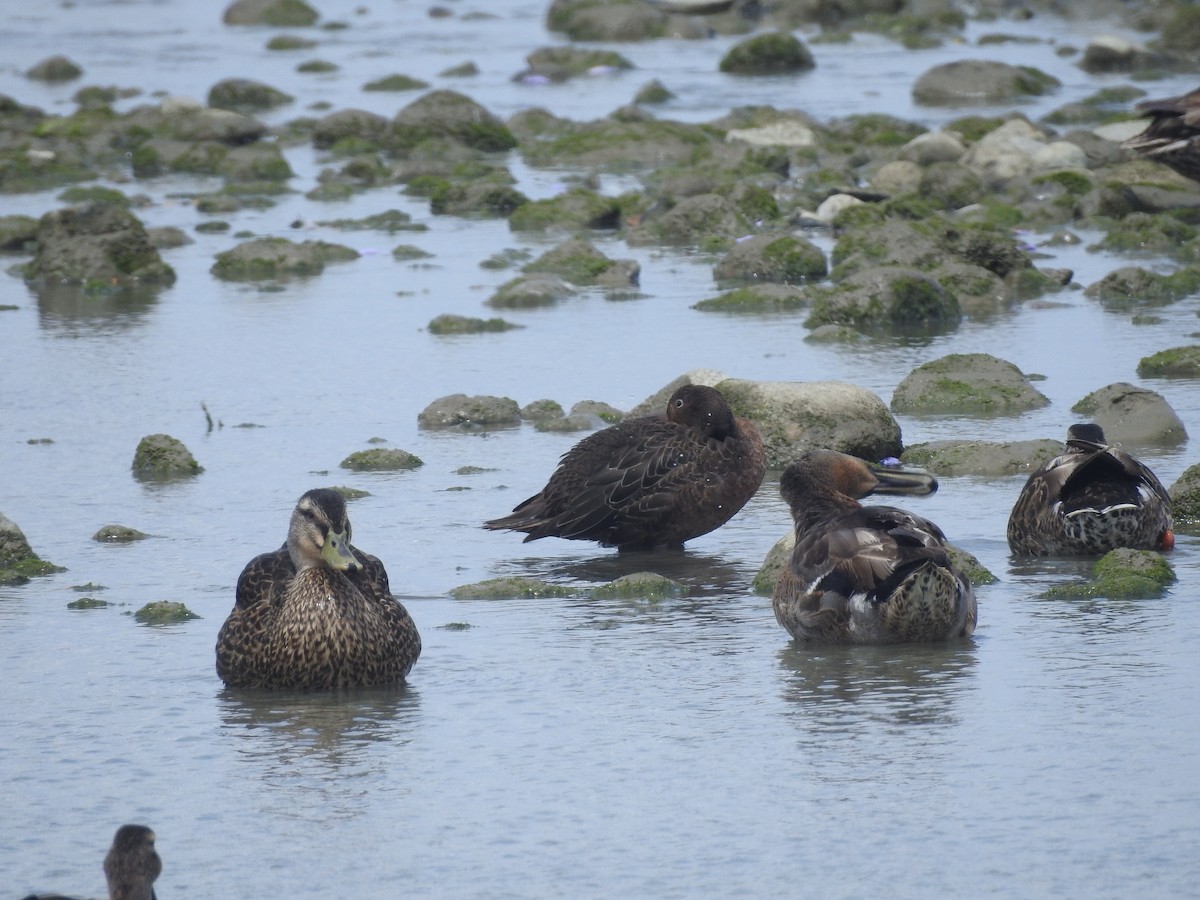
967,383
885,297
18,562
160,456
646,586
510,589
381,459
164,612
1122,574
530,291
453,324
118,534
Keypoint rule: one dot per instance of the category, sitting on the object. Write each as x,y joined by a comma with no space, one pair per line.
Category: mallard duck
131,866
1173,135
866,574
1090,499
318,612
650,482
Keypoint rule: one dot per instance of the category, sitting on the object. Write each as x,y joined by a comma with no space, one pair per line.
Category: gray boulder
985,458
785,259
162,457
973,82
1133,416
967,383
461,411
98,244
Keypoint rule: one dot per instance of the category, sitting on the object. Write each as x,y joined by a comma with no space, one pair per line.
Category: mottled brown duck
651,482
866,574
131,866
317,613
1090,499
1173,135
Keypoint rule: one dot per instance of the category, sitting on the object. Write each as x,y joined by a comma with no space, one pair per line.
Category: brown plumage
1173,135
1090,499
866,574
131,866
318,612
650,482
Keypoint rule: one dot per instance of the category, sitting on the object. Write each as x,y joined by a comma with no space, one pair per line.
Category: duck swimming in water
866,574
131,866
1173,135
1090,499
317,613
650,482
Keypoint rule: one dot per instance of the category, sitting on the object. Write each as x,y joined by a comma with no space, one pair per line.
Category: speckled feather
649,482
1090,499
131,866
316,627
1173,135
865,574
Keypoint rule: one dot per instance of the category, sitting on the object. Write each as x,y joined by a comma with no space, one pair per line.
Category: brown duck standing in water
131,866
866,574
652,482
1090,499
317,613
1173,135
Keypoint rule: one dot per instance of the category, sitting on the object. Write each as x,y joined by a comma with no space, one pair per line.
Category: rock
576,260
609,21
1131,287
1122,574
933,147
966,383
951,185
704,219
566,424
168,237
461,411
1132,415
263,259
653,92
885,297
118,534
381,459
598,410
982,458
542,410
897,178
279,13
558,64
646,586
1109,53
511,588
529,291
1058,155
575,209
834,205
450,115
774,53
241,94
783,133
18,562
1177,362
18,233
796,415
1005,152
756,299
54,69
786,259
452,324
162,457
202,123
396,83
975,82
349,125
1185,498
164,612
97,245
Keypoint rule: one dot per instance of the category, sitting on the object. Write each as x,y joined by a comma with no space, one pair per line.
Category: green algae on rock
448,114
1176,362
463,412
164,612
18,562
278,13
118,534
578,261
511,588
263,259
100,246
396,83
756,299
982,458
381,459
454,324
1185,499
774,53
785,259
160,456
967,383
576,209
1122,574
649,587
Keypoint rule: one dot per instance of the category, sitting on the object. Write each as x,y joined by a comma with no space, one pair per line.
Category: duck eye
679,403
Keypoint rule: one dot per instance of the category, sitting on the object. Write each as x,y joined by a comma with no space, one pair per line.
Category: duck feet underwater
866,574
317,613
131,866
652,482
1090,499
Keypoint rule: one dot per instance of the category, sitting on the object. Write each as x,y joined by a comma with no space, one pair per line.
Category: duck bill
899,480
337,553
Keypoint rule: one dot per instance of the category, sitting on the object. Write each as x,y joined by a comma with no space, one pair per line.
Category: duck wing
265,579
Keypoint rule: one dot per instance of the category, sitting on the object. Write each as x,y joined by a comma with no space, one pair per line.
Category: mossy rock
785,259
1122,574
649,587
1185,498
381,459
396,83
565,424
774,53
118,534
349,493
886,297
966,383
452,324
968,564
18,562
981,458
389,221
579,262
530,292
562,63
512,588
475,198
278,13
88,603
54,69
542,410
160,456
1131,287
18,233
164,612
286,42
98,246
653,92
409,252
598,409
576,209
461,411
94,194
1150,235
246,95
450,115
263,259
317,67
756,299
1177,362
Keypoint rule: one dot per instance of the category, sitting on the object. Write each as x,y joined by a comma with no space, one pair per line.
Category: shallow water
556,747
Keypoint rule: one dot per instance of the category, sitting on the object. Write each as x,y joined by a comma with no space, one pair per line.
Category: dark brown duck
866,574
1090,499
317,613
1173,135
131,866
650,482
